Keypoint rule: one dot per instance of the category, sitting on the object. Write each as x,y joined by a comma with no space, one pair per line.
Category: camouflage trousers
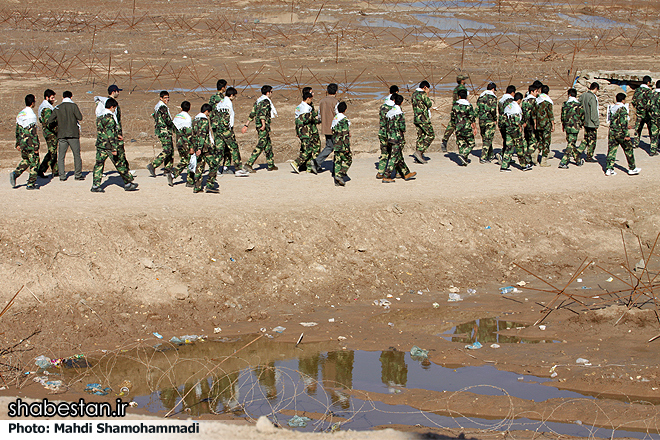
263,145
396,163
166,157
308,151
29,159
613,143
101,156
588,145
515,143
212,159
343,161
465,142
184,155
448,131
640,122
231,154
571,151
385,152
655,132
487,129
50,159
530,140
544,138
121,155
425,136
503,134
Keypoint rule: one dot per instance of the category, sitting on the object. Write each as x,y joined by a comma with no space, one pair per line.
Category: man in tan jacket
327,111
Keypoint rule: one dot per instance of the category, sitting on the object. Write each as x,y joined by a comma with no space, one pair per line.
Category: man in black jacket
66,116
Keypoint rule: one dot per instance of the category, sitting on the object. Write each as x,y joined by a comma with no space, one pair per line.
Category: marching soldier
27,142
396,129
385,149
183,127
421,104
50,159
487,112
654,116
464,119
589,102
572,120
641,99
617,116
529,122
341,138
461,80
205,151
164,129
305,119
504,101
545,124
262,112
226,136
514,135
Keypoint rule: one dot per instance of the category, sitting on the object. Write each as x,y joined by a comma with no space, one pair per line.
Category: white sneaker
610,173
133,173
634,172
242,173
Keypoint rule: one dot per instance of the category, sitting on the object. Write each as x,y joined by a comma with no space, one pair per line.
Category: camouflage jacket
261,112
43,120
306,123
463,116
487,108
544,116
199,137
396,126
654,106
27,137
382,119
118,114
457,89
341,134
640,100
619,122
572,116
529,113
501,105
107,133
513,124
183,137
214,117
421,104
163,125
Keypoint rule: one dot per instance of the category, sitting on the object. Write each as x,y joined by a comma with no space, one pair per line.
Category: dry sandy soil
105,271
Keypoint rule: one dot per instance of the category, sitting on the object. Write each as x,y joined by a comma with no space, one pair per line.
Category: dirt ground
105,271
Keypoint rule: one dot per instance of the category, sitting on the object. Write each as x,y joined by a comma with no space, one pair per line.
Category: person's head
221,84
332,89
67,94
538,84
545,89
594,86
572,92
111,103
491,86
657,84
29,100
231,93
265,90
49,95
206,108
621,97
531,89
398,99
424,85
511,89
307,89
341,107
113,91
165,96
462,79
185,106
307,97
462,94
647,79
394,89
518,97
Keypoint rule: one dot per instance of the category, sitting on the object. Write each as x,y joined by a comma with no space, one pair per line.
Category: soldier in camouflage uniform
505,100
341,138
545,124
654,113
617,116
421,104
226,139
214,117
207,153
107,143
461,80
385,149
262,112
164,129
641,101
183,127
50,159
314,135
464,119
487,112
27,142
396,130
513,116
572,120
113,92
529,122
305,119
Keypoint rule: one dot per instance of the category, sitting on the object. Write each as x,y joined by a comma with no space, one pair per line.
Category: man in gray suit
66,116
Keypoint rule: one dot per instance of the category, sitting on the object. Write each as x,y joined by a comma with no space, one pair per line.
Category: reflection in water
309,367
267,377
393,368
486,330
337,371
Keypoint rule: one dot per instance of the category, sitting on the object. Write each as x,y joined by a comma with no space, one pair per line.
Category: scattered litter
125,387
217,330
133,404
53,385
471,291
389,295
419,352
494,345
232,260
95,388
309,324
640,266
298,422
487,227
331,320
595,297
383,303
476,346
553,375
579,280
582,361
187,339
300,338
391,324
610,279
521,378
507,289
419,292
553,368
578,422
74,361
3,388
453,289
279,329
585,288
541,327
436,305
521,283
42,362
453,297
263,330
158,335
341,338
398,299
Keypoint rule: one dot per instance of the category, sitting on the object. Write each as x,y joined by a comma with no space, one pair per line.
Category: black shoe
653,153
33,186
339,181
505,170
170,179
463,161
563,166
590,159
528,167
41,174
212,190
97,189
12,179
313,168
130,186
152,170
81,177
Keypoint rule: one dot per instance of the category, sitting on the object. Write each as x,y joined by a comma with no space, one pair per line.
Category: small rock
265,426
146,262
178,291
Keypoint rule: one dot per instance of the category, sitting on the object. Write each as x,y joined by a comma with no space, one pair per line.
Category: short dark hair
394,89
29,99
491,86
307,95
423,84
518,96
206,107
110,102
657,84
341,107
545,89
185,106
332,89
647,79
462,94
266,89
594,86
572,92
67,94
620,97
531,88
220,84
231,91
398,99
510,89
164,93
538,84
306,89
48,93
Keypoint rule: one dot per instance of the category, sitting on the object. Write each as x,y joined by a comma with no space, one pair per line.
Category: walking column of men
526,124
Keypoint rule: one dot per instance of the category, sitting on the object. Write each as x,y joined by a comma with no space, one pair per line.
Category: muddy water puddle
487,331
